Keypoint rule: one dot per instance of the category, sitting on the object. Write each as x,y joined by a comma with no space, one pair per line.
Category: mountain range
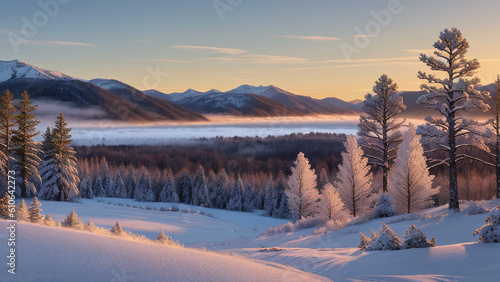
120,101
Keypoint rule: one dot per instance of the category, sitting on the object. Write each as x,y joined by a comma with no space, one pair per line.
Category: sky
318,48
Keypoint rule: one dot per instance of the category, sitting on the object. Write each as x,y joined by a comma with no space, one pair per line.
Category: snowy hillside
59,254
17,69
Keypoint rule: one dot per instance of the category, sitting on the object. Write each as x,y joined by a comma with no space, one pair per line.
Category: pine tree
34,211
168,193
119,187
183,183
332,206
144,192
236,196
221,185
365,241
7,124
414,238
354,177
248,198
107,184
48,221
200,190
86,188
73,221
302,190
164,239
49,189
4,206
385,240
117,230
453,95
22,211
61,172
385,207
25,147
98,189
490,232
90,227
270,199
379,127
410,182
131,182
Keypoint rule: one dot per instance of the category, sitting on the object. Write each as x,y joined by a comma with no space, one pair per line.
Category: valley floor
57,253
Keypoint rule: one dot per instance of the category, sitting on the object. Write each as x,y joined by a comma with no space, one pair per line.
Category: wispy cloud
219,50
340,64
418,50
7,30
364,35
374,60
260,59
310,38
162,60
54,43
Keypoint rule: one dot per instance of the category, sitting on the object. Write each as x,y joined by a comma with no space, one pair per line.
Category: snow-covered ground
334,255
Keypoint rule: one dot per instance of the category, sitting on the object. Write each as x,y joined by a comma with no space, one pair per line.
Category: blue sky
295,45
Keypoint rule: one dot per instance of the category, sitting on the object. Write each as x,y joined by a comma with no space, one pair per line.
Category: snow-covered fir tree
184,184
48,221
200,190
61,171
490,232
236,196
379,127
270,199
98,189
34,211
385,207
332,206
119,187
22,213
117,230
414,238
72,221
25,147
373,234
409,181
90,227
164,239
144,192
107,182
49,189
450,96
168,193
354,178
259,200
131,182
364,241
7,125
85,188
4,206
221,186
248,198
386,240
302,193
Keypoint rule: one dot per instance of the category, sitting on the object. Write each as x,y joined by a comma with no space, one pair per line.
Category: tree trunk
453,205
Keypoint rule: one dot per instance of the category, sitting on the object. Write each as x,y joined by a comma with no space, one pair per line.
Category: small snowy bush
474,208
73,221
385,240
414,238
365,241
384,207
490,232
174,209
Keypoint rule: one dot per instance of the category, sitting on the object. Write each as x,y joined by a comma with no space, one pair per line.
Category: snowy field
334,255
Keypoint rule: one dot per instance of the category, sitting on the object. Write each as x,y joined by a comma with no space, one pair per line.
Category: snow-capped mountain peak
18,69
249,89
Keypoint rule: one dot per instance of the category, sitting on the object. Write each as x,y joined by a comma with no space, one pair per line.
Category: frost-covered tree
131,182
7,125
220,198
119,187
495,138
168,193
259,200
410,182
354,177
60,168
490,232
4,206
34,211
144,191
184,183
322,180
386,240
379,127
73,221
117,230
332,206
452,95
414,238
165,240
85,188
385,207
90,227
200,190
25,147
22,211
107,183
98,189
302,193
48,221
49,189
248,198
364,241
236,196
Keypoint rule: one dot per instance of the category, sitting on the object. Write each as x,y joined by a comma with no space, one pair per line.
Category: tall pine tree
7,124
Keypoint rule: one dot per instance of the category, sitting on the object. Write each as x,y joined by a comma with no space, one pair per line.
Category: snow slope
17,69
58,254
